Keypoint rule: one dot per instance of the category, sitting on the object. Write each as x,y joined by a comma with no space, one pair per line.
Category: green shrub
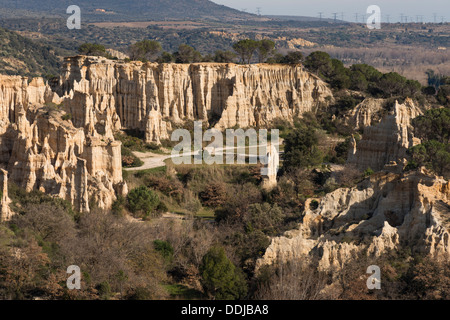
142,201
220,278
368,172
165,249
104,290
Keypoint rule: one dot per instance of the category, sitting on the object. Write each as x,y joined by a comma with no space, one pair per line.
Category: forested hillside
22,56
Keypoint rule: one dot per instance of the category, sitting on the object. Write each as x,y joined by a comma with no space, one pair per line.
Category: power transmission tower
401,17
335,16
435,17
342,16
258,10
387,18
320,15
356,17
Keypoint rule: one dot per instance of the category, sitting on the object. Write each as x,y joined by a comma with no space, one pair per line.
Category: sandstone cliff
365,114
148,96
386,211
59,138
387,142
58,145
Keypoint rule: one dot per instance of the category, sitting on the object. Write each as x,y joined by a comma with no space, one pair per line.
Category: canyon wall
148,96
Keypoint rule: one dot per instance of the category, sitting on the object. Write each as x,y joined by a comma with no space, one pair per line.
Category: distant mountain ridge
131,10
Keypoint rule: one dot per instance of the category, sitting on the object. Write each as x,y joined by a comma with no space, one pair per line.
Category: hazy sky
393,8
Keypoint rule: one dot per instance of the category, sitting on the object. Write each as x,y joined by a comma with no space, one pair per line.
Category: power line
335,16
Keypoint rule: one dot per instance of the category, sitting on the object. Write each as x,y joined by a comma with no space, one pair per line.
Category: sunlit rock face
386,143
147,96
58,144
386,211
59,138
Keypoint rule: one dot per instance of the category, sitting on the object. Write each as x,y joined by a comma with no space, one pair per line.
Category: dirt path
153,160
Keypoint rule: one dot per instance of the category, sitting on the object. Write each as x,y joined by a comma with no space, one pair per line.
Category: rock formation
5,211
387,142
59,138
58,145
270,169
365,113
386,211
147,96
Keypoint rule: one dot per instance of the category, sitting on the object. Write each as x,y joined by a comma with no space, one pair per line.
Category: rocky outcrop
5,211
147,96
366,113
387,142
386,211
59,138
270,170
58,145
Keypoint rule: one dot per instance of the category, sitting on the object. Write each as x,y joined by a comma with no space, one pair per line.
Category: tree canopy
220,278
301,149
145,50
92,49
246,49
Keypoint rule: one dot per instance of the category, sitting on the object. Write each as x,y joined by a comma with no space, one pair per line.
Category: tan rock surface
59,145
59,138
386,211
387,142
223,94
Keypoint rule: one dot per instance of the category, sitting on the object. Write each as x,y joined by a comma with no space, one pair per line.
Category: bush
214,195
224,56
104,290
118,206
187,54
129,160
165,249
142,201
368,172
220,278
